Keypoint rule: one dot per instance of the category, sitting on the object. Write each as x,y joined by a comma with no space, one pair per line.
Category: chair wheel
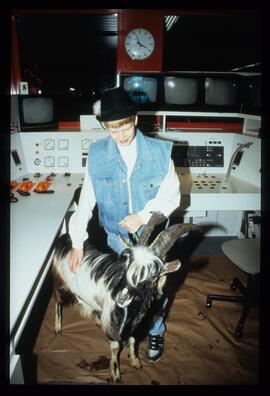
239,333
208,304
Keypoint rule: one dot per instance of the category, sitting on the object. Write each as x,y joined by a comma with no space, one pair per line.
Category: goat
116,290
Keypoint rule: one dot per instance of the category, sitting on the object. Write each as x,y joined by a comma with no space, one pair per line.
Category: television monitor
36,113
220,92
180,90
142,89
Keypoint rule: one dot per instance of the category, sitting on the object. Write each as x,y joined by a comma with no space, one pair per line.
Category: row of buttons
50,161
210,181
196,162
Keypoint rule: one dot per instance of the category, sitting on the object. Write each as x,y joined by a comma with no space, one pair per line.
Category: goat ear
123,298
171,266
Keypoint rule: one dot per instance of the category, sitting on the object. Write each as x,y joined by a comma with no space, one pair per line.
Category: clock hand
138,41
143,46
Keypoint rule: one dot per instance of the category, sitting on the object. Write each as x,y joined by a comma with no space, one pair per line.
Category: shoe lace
156,342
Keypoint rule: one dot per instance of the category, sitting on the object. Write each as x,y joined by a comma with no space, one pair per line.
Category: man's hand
131,223
75,259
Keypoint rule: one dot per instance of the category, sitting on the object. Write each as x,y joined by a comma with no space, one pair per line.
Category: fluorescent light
245,67
170,21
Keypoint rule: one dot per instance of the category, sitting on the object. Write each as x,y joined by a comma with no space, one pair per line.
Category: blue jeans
158,326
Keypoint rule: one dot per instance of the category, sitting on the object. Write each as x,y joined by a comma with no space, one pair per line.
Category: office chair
245,254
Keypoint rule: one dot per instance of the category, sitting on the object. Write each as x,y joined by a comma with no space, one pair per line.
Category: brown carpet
200,348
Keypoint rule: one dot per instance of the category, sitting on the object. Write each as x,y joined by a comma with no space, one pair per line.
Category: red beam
221,126
15,59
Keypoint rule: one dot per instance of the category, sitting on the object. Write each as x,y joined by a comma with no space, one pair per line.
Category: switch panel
198,156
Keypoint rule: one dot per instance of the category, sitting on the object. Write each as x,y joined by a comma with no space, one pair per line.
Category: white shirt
166,200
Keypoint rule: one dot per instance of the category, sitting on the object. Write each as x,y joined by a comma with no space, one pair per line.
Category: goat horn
167,238
156,218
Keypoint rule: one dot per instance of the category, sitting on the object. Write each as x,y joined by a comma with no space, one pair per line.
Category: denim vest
108,173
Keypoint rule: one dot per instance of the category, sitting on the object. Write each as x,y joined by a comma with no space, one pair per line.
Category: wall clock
139,44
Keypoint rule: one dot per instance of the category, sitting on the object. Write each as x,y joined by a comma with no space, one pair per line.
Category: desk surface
209,191
34,222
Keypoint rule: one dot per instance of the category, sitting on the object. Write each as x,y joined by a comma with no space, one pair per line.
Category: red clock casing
154,24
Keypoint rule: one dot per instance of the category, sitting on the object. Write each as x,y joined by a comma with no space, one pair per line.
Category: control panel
228,155
197,156
217,163
217,172
57,152
39,183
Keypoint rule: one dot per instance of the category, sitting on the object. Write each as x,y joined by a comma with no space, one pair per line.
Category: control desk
217,172
35,221
219,179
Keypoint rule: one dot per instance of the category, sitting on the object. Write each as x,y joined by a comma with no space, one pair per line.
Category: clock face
139,44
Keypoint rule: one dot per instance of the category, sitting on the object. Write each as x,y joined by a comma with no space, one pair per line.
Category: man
128,176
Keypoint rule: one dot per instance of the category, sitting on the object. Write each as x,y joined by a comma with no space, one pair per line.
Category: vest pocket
149,187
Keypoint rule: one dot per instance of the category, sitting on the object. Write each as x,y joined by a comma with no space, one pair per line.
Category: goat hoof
116,376
136,363
116,380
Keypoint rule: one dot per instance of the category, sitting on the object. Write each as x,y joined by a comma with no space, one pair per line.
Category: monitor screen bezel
29,127
200,105
146,106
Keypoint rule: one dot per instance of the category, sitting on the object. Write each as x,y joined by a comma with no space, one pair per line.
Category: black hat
115,104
